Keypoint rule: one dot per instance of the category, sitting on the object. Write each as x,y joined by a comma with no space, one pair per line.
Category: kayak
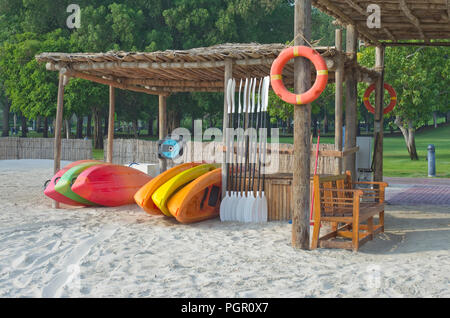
199,200
58,197
68,178
163,193
144,196
109,185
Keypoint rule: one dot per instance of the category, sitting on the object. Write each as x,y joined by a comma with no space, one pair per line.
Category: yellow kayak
144,196
162,195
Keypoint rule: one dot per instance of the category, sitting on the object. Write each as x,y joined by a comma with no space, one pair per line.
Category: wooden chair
350,207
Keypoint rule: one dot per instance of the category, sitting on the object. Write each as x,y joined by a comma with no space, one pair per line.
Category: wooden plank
58,125
162,127
351,110
112,107
339,100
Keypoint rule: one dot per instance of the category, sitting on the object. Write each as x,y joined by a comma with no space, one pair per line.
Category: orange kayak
199,200
144,196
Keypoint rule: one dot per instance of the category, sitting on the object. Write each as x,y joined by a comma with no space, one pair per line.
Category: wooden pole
378,122
302,131
162,127
112,110
228,75
351,111
58,126
339,110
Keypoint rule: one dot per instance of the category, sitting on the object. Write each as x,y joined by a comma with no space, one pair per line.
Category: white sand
123,252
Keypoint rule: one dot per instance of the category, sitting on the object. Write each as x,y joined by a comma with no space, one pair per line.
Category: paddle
262,208
226,199
251,198
238,188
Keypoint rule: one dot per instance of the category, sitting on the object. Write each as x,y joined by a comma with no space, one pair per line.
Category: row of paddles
246,146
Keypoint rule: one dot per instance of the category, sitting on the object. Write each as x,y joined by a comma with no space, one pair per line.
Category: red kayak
110,185
50,189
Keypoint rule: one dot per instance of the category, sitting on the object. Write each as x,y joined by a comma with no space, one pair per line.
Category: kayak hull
143,197
199,200
163,193
56,196
64,186
109,185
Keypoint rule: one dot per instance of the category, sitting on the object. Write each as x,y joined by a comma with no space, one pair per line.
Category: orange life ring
277,79
391,105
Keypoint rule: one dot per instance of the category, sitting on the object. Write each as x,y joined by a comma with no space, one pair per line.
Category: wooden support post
112,110
351,111
58,126
378,122
162,127
339,111
302,131
228,75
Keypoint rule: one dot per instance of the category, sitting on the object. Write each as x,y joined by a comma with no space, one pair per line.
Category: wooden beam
351,110
190,84
112,110
414,20
378,116
302,132
443,44
162,127
339,99
58,126
174,65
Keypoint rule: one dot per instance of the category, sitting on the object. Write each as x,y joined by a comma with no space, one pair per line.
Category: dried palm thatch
401,20
171,71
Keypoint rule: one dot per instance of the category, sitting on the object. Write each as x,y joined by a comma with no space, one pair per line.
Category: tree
421,77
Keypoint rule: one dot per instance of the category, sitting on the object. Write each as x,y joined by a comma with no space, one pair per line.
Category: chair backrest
326,200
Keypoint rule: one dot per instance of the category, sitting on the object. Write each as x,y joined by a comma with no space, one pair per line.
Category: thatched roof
401,20
199,69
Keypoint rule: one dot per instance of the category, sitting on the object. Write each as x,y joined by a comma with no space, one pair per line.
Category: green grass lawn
398,164
396,158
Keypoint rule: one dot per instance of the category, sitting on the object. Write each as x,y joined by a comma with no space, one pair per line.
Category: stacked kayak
95,183
189,192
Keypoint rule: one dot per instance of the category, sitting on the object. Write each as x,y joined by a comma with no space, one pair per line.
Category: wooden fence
12,148
143,151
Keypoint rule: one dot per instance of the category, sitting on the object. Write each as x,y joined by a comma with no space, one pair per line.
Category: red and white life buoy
391,105
277,79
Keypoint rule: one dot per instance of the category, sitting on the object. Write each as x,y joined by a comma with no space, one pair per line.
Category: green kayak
65,183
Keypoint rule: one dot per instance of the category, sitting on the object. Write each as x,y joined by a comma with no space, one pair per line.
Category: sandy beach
123,252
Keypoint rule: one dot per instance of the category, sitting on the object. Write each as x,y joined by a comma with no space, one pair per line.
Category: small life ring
277,79
391,105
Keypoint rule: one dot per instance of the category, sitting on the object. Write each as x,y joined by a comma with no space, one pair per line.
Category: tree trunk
325,122
447,118
409,133
6,108
435,119
150,127
105,128
38,124
135,128
24,126
98,132
79,133
45,129
89,126
68,128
